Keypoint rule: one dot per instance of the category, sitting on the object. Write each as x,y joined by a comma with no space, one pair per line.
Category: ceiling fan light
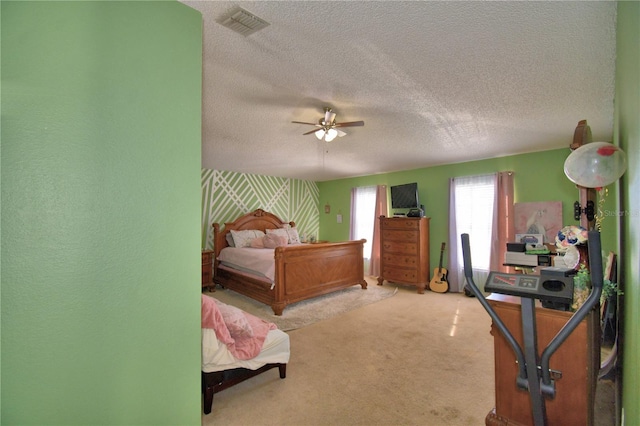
319,134
329,115
331,135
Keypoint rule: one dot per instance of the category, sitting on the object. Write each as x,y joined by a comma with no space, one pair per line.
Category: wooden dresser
577,359
207,268
404,251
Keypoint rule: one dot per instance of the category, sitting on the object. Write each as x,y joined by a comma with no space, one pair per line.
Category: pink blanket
241,332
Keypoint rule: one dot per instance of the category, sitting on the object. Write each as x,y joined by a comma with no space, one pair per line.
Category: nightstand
207,269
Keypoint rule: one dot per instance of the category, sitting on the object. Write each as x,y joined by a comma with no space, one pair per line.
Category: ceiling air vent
244,22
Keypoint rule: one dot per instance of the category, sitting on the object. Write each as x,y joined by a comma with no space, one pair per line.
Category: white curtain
471,211
363,216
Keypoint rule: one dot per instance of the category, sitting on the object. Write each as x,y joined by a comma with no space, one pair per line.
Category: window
363,212
474,203
475,197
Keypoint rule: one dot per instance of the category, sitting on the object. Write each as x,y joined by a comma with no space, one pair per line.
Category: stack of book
516,254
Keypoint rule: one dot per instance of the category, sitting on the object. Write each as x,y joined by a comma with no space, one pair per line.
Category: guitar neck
441,254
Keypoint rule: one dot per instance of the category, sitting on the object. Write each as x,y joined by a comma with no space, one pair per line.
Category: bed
230,354
300,271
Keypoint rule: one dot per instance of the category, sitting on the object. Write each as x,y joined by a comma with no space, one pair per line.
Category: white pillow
290,233
229,239
294,237
244,238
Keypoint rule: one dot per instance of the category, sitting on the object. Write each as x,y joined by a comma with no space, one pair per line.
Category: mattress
216,356
249,274
254,260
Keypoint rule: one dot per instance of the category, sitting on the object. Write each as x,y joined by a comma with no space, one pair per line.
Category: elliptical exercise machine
534,374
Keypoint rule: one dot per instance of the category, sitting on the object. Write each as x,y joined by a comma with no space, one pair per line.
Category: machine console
543,287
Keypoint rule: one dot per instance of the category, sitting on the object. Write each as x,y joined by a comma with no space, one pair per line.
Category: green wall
538,177
101,110
627,119
228,195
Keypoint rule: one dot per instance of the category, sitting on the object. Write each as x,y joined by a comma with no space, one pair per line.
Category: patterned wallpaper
227,195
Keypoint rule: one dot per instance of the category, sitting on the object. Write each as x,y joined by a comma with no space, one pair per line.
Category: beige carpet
307,312
411,359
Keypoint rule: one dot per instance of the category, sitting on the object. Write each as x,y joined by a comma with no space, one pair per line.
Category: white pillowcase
294,237
244,238
229,239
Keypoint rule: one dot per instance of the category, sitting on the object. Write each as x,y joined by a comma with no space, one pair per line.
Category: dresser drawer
400,275
399,235
400,247
395,223
400,260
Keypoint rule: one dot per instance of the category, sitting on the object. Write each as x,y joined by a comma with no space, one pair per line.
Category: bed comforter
243,334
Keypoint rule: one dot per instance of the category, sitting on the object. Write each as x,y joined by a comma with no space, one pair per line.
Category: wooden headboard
257,219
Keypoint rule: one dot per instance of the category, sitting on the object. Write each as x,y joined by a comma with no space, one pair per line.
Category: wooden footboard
302,271
310,270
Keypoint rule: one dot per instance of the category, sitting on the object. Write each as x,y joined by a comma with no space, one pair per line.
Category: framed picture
539,218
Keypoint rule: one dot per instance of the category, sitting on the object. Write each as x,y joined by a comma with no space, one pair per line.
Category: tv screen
404,196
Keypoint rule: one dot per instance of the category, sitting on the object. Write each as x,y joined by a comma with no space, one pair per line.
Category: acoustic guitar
439,282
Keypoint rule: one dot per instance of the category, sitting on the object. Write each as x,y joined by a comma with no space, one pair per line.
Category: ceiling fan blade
312,131
302,122
350,124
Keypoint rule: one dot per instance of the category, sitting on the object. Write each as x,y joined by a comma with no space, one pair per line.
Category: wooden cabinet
404,251
577,360
207,268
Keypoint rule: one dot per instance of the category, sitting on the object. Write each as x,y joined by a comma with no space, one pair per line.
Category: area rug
307,312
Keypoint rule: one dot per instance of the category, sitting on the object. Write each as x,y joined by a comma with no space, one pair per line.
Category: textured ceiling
434,82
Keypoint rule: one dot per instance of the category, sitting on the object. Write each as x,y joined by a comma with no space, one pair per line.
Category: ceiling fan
328,128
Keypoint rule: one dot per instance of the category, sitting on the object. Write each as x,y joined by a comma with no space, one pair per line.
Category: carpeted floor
410,359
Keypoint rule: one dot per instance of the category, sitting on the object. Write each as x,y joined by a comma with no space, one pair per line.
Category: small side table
207,270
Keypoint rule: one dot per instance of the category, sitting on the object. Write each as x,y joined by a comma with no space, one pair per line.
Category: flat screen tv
405,196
